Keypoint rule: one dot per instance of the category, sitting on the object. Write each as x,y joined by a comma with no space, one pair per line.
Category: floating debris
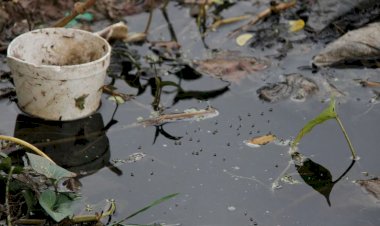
372,186
135,157
166,49
229,66
231,208
357,45
256,142
289,180
295,86
187,115
243,39
296,25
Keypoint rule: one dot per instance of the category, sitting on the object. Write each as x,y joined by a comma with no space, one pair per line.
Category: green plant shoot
327,114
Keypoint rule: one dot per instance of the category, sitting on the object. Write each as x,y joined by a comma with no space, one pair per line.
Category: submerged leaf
47,168
356,45
328,113
229,66
295,86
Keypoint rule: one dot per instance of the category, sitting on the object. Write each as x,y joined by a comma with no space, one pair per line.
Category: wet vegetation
205,109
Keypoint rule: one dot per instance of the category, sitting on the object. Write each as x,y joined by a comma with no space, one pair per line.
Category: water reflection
317,176
80,146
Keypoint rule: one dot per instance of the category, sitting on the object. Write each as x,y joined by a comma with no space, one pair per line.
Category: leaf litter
230,66
295,86
357,45
187,115
371,186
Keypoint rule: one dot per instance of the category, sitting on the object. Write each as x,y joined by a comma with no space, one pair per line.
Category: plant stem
352,149
26,144
150,17
7,207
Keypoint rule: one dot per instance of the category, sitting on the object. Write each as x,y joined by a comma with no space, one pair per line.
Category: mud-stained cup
59,72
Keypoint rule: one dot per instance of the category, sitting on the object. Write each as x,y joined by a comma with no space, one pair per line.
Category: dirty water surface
220,179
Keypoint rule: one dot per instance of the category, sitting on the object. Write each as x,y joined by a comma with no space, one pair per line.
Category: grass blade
163,199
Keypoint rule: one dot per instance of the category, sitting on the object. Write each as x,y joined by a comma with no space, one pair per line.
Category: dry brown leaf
357,45
261,140
229,66
372,186
187,115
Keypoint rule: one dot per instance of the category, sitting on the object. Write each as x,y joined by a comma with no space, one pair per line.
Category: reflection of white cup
80,146
59,72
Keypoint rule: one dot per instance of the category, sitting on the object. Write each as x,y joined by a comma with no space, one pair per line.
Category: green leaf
328,113
29,199
163,199
47,168
57,205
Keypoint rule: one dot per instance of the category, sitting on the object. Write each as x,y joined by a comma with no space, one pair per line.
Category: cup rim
104,57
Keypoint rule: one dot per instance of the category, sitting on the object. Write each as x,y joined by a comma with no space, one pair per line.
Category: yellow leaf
296,25
260,140
243,39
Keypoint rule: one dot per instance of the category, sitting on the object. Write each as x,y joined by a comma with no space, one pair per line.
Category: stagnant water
221,180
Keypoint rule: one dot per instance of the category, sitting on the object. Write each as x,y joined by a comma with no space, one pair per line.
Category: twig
7,207
88,218
230,20
25,144
263,14
79,8
30,222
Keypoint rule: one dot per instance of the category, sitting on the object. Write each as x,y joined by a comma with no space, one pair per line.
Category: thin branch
262,15
79,8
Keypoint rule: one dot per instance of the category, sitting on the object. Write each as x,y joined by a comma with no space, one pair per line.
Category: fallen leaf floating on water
295,86
260,140
187,115
372,186
229,66
296,25
243,39
357,45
